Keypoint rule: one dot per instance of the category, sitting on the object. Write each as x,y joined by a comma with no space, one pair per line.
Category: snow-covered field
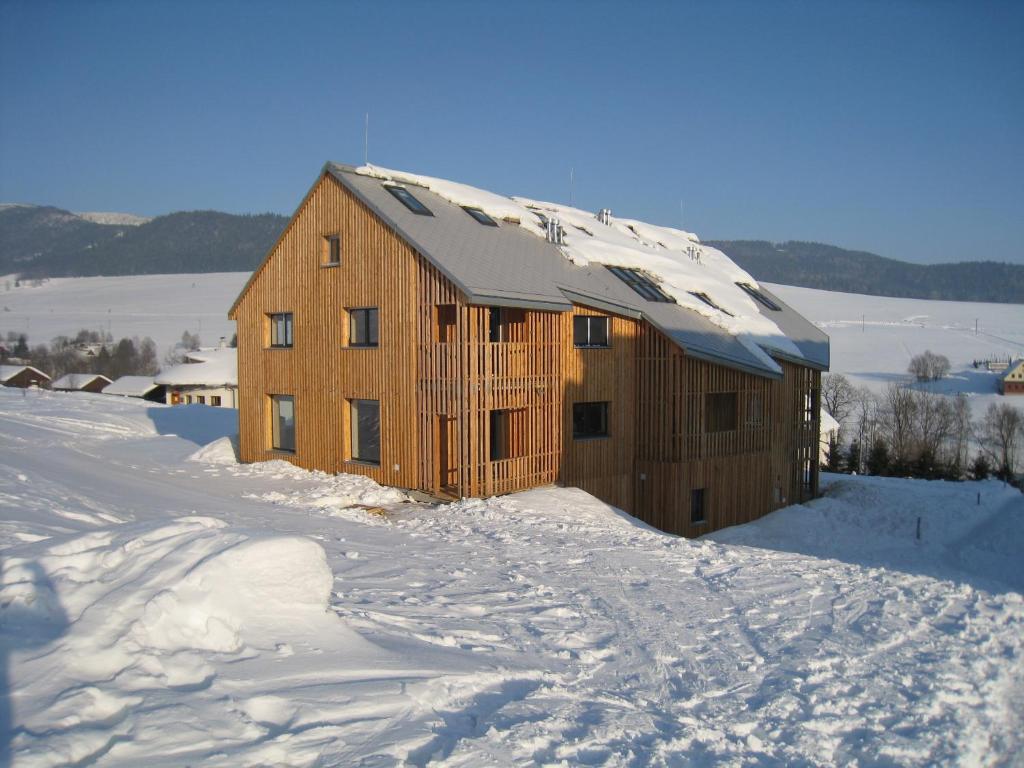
159,609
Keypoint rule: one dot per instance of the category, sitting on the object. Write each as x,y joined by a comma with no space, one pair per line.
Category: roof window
759,297
480,216
707,300
641,283
408,200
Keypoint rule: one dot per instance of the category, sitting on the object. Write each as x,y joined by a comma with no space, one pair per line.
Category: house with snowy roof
435,336
206,377
23,376
1012,381
142,387
81,382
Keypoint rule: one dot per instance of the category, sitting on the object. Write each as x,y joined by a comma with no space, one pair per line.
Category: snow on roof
131,386
210,367
77,380
8,372
680,264
828,423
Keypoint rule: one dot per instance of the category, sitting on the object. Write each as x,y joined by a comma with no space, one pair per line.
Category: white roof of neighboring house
8,372
132,386
78,380
828,424
1013,369
211,368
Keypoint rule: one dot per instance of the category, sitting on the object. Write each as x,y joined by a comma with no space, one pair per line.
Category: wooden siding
377,269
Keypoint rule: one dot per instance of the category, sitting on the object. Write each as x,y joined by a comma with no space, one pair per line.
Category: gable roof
131,386
513,264
208,368
1013,369
75,381
8,372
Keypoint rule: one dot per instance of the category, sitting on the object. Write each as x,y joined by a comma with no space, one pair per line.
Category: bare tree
898,417
1001,435
838,395
928,366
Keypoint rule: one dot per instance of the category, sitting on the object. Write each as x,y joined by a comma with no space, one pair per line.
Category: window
281,330
505,324
283,422
332,250
720,411
480,216
507,432
811,406
755,410
445,315
589,420
201,399
590,331
362,328
188,399
641,283
365,429
697,514
407,199
215,400
755,294
707,300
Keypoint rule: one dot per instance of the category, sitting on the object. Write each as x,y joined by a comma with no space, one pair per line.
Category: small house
23,376
207,377
1012,382
81,382
142,387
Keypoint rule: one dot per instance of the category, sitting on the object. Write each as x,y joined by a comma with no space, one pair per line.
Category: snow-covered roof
78,380
828,423
210,368
8,372
131,386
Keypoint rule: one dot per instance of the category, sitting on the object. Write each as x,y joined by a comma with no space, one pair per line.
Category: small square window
641,283
590,331
365,429
332,250
201,399
281,329
363,330
589,420
283,423
215,400
445,315
480,216
505,324
720,411
407,199
697,514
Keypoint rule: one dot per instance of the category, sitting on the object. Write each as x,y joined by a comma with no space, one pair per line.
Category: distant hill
816,265
42,241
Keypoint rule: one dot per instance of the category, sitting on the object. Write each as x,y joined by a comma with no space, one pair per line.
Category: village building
81,382
438,337
207,377
142,387
1012,381
23,376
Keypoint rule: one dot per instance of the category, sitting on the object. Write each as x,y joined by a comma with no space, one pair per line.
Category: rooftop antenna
366,140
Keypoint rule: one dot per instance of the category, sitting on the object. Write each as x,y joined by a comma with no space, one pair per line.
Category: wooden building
1012,381
81,382
23,376
461,347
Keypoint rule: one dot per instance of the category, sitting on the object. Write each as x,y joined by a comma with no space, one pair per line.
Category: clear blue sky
895,127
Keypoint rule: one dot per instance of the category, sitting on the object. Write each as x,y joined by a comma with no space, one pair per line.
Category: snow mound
223,451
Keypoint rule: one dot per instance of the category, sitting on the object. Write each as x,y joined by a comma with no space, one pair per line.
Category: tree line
86,352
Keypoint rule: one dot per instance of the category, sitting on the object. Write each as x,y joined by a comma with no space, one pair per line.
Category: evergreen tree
853,458
878,458
834,455
21,348
980,468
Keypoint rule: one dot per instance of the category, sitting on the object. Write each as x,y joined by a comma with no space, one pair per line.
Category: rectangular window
480,216
201,399
720,411
281,330
363,328
445,315
215,400
641,283
332,249
811,405
283,422
590,331
505,324
507,434
589,420
365,430
759,297
407,199
707,300
697,514
755,410
188,399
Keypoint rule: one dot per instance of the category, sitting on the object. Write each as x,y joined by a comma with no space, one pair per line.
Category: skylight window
641,283
759,297
707,300
480,216
408,200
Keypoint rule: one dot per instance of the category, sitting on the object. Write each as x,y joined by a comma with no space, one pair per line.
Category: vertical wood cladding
675,423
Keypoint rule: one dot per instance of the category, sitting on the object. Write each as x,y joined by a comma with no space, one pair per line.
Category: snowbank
222,451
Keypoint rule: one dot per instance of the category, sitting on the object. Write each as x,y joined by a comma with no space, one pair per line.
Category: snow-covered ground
158,306
162,605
